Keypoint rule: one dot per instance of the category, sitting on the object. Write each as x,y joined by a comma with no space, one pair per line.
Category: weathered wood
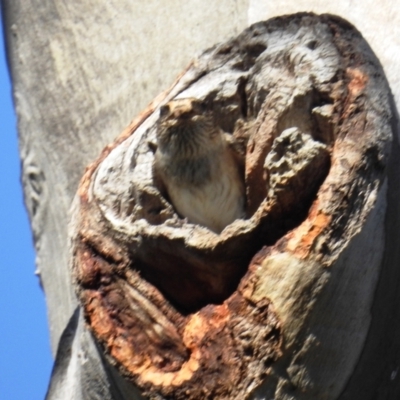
68,112
81,70
278,304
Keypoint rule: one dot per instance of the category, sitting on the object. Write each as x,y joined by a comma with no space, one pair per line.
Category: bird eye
203,106
164,110
200,106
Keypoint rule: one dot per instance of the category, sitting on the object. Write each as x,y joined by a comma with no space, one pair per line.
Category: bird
197,166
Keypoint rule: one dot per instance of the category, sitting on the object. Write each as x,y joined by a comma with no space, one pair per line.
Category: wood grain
277,304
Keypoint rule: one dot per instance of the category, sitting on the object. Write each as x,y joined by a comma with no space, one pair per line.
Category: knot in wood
188,308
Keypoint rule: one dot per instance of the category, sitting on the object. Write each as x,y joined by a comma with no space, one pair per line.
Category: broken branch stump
278,303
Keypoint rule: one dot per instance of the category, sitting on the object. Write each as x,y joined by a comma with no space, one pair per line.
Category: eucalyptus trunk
297,300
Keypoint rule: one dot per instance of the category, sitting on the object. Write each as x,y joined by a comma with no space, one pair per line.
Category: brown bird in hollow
197,166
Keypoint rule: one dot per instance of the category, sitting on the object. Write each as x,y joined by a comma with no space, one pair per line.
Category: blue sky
25,358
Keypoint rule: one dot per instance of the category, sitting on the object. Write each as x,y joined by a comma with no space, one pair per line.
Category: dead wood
278,303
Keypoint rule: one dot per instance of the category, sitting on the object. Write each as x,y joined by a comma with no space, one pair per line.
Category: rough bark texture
81,70
162,296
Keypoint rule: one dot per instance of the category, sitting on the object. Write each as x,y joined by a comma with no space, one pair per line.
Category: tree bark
300,296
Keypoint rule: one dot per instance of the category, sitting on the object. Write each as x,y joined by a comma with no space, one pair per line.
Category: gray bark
81,71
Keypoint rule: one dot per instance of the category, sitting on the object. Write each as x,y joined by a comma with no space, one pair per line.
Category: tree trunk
299,300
